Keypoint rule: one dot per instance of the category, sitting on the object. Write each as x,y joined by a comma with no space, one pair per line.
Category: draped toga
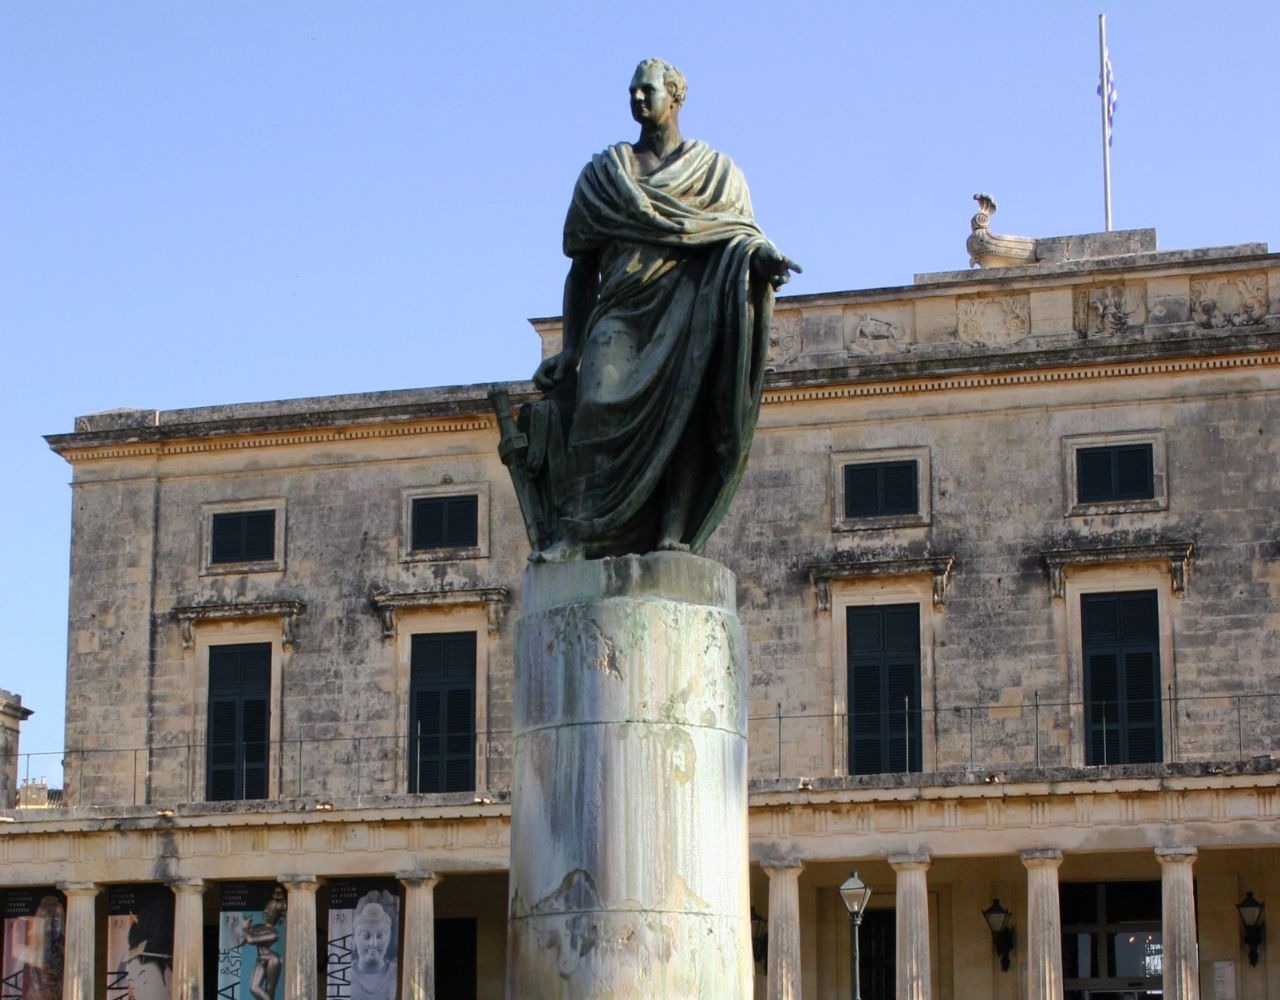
674,348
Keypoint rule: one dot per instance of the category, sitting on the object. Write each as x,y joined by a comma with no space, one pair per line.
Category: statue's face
651,102
373,936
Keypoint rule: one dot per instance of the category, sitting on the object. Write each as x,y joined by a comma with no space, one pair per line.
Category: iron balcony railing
1032,734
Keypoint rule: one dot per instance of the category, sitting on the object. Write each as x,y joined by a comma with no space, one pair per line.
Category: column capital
1176,855
299,883
1042,857
79,888
909,862
187,884
782,867
418,878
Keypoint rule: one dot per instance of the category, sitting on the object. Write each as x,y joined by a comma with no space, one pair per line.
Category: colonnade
417,974
1043,932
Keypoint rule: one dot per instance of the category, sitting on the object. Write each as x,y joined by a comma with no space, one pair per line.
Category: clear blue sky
212,202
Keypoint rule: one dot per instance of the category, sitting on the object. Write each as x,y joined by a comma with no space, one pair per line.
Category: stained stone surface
629,837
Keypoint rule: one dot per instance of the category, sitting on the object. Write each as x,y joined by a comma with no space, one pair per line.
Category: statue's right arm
581,288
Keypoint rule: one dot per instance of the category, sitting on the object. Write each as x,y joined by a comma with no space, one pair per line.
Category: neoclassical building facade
1008,561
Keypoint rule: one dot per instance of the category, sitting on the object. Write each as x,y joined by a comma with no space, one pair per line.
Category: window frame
276,564
1074,443
1117,578
1120,648
408,554
240,793
886,712
413,777
472,616
906,588
234,632
921,517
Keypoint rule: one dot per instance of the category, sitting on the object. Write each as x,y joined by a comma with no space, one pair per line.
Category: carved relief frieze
1229,300
869,335
785,340
1109,310
993,322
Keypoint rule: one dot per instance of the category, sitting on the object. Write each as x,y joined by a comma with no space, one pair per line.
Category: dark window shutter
1118,472
238,734
875,489
884,688
243,536
442,727
861,491
1121,678
446,522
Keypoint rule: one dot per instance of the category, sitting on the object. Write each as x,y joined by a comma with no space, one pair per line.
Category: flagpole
1102,97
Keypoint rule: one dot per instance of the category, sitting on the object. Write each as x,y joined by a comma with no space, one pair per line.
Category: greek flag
1107,90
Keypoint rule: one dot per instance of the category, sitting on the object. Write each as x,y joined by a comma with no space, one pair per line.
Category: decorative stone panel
993,322
786,342
1229,300
1109,310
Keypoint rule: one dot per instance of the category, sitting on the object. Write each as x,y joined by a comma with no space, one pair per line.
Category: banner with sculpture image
34,941
364,935
251,931
139,942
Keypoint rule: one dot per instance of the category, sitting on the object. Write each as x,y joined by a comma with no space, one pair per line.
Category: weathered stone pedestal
629,791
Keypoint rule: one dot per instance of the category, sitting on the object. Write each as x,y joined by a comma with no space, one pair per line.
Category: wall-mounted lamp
997,918
1251,921
759,936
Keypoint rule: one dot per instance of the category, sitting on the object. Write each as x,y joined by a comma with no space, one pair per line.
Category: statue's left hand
774,266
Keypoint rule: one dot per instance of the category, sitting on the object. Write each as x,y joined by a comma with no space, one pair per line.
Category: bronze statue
643,430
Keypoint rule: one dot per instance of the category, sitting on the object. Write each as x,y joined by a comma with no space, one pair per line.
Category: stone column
1181,954
77,960
784,931
418,963
300,938
12,715
629,783
912,923
1044,925
188,938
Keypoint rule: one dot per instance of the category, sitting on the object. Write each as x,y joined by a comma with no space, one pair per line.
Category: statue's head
657,89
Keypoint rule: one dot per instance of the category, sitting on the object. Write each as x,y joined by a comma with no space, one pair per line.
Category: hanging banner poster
251,917
34,939
364,931
139,942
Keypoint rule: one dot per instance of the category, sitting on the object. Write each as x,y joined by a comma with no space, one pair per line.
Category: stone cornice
1178,554
188,615
852,568
943,372
494,599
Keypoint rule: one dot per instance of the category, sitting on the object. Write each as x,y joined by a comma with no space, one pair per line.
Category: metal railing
1031,734
1037,733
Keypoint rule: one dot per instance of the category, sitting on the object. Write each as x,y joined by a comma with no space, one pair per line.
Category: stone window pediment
937,567
495,600
1177,554
286,611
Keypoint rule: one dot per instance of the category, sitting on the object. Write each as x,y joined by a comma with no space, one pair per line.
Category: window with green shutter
442,695
1115,473
884,688
243,536
877,489
1121,645
445,522
238,735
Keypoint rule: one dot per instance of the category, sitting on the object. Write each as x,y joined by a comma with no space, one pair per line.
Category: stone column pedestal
418,963
912,925
1044,925
188,938
1181,954
300,938
629,790
77,960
